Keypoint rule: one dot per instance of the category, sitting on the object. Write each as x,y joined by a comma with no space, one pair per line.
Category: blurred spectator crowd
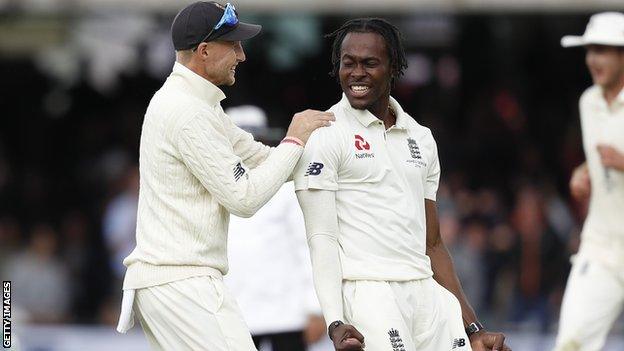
69,168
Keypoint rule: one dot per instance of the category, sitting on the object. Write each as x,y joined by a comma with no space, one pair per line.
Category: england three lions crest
414,150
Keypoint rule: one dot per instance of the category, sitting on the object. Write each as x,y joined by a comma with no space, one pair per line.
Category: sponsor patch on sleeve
314,169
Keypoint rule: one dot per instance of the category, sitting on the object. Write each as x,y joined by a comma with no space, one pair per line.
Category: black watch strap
333,325
474,327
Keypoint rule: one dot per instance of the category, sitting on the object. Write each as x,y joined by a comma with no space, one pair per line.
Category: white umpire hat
606,28
254,120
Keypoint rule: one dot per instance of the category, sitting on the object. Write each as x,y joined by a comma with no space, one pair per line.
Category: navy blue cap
194,22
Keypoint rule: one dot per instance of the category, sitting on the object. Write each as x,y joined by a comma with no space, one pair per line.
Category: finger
506,348
319,124
324,120
356,334
328,116
499,339
351,344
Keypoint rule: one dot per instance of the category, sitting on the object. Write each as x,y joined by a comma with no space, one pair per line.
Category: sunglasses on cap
229,19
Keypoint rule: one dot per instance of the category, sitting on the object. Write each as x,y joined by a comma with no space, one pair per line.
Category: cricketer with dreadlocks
367,187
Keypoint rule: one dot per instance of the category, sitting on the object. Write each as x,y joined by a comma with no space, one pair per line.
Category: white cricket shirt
381,179
603,231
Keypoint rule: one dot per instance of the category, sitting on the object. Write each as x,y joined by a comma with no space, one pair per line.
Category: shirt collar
197,85
366,118
618,99
401,116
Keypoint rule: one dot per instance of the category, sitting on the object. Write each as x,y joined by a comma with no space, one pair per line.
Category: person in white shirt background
270,272
196,167
594,294
367,187
119,222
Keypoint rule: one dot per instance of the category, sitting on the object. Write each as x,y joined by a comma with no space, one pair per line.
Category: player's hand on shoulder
580,184
305,122
346,337
488,341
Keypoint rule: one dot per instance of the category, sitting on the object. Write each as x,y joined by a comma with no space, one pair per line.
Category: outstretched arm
319,212
444,273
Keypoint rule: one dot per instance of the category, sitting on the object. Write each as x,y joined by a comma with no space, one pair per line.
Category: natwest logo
360,143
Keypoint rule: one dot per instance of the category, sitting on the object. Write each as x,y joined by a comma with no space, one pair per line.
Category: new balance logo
461,342
395,340
361,144
314,169
238,171
413,148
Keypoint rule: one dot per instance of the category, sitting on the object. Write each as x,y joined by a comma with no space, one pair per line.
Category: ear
202,50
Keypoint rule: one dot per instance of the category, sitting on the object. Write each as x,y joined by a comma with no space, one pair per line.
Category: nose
591,56
358,71
240,53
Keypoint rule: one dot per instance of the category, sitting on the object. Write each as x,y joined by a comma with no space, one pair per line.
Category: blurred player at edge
270,272
196,167
594,294
367,186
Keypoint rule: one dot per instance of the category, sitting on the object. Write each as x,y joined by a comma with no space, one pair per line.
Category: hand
314,329
486,341
611,157
304,123
580,185
346,337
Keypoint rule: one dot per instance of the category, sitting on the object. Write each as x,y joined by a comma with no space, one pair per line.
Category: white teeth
359,88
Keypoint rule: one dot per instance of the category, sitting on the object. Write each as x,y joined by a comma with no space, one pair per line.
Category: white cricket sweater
602,237
196,167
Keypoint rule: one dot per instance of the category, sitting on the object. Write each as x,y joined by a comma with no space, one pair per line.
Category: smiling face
606,65
220,59
365,74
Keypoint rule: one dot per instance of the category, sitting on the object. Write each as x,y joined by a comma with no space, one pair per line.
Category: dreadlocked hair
390,34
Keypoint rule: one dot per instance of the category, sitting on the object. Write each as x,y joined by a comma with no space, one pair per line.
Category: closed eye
371,63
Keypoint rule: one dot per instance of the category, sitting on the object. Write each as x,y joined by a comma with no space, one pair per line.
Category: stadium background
488,77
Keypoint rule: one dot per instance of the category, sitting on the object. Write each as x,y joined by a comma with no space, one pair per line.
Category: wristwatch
333,325
474,327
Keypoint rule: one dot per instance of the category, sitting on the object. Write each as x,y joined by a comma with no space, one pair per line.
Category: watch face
473,328
333,326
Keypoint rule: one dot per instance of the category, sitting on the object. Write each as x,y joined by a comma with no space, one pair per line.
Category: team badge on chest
395,340
414,150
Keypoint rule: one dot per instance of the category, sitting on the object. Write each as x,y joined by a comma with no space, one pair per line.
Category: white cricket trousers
416,315
592,301
192,314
